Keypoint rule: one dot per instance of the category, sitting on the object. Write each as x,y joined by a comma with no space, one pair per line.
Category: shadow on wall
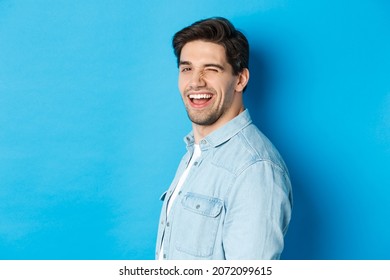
303,239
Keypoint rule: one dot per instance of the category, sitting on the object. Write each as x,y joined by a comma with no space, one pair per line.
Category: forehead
203,52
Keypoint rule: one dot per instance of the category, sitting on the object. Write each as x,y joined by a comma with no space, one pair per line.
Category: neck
201,131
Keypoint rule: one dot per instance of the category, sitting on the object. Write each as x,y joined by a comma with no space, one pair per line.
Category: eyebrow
184,63
205,65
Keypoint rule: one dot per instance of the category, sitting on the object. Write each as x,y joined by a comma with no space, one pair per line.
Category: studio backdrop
91,121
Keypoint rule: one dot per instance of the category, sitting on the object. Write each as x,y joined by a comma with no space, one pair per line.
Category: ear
242,81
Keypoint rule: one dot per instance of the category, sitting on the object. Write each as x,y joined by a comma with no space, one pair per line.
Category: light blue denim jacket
236,201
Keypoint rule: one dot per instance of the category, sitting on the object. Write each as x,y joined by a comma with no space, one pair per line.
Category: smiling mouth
200,100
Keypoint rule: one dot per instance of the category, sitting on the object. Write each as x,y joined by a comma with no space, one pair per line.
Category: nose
197,79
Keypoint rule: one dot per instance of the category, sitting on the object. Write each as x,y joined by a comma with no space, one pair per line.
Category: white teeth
200,96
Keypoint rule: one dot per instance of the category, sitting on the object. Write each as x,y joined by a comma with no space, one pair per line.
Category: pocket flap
201,204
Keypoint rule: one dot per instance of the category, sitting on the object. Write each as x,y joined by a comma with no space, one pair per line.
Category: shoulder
248,147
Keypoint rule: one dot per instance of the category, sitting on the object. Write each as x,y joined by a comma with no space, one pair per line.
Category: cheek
181,84
228,91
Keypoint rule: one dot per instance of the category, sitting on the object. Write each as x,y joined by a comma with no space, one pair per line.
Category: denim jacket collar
222,134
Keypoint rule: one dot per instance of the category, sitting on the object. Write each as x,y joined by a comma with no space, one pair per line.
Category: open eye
185,69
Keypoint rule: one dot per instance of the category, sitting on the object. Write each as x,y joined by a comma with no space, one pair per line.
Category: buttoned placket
166,234
165,222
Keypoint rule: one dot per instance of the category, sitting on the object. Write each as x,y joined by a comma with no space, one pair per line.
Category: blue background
91,121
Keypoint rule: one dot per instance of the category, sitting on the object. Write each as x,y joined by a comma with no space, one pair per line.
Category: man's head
213,59
219,31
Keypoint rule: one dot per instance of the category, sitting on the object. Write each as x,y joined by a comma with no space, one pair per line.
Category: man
231,196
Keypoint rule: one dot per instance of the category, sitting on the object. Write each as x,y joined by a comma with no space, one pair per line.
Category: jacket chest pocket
197,224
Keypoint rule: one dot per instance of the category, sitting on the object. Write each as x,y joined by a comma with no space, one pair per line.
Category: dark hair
220,31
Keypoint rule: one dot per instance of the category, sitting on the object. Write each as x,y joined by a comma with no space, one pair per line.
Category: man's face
206,82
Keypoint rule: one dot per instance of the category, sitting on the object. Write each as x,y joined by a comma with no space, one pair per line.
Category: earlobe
243,79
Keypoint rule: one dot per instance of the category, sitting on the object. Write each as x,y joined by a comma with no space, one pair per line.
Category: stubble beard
204,117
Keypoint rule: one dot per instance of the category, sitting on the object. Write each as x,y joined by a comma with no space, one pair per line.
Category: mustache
199,89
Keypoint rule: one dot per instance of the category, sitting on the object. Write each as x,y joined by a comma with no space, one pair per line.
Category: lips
200,100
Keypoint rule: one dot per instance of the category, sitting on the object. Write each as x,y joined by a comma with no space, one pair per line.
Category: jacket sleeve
258,211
